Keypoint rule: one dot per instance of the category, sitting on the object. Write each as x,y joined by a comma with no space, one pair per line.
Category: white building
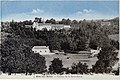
42,50
40,26
48,26
94,52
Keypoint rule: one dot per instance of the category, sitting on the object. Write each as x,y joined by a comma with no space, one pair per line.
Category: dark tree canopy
18,58
106,60
56,66
79,68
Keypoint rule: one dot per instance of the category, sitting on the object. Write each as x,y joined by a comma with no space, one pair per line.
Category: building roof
40,47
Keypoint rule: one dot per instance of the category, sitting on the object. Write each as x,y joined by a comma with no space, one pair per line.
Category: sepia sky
23,10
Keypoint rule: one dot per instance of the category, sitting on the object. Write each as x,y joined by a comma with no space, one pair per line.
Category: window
45,51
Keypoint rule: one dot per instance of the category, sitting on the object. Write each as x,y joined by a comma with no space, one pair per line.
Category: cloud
88,11
35,11
85,11
79,12
90,14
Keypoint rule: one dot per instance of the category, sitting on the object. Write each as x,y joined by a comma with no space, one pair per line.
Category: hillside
115,21
113,28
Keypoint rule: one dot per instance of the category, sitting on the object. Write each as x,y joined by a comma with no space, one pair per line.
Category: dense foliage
79,68
106,59
81,36
18,57
56,66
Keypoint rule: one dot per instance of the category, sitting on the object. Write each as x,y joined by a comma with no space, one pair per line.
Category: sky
28,10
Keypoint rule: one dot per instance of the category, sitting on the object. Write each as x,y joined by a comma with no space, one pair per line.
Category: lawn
70,58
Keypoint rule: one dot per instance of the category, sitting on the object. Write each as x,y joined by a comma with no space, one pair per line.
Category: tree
93,44
52,21
47,21
12,57
35,63
68,21
39,20
63,21
54,45
56,66
115,44
65,46
73,46
106,59
18,57
79,68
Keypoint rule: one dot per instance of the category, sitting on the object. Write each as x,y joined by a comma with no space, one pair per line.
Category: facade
42,50
57,26
40,26
49,26
95,52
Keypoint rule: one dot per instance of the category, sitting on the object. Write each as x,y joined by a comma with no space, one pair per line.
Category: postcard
64,39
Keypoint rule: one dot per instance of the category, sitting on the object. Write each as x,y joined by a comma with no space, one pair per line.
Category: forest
17,57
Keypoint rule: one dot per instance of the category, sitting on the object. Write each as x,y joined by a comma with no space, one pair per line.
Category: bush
56,66
79,68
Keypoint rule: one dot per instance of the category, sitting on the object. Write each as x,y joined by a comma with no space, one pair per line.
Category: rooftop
40,47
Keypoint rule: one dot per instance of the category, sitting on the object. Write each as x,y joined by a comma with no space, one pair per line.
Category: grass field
70,58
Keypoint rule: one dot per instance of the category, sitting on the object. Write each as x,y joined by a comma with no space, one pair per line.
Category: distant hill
115,21
113,28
